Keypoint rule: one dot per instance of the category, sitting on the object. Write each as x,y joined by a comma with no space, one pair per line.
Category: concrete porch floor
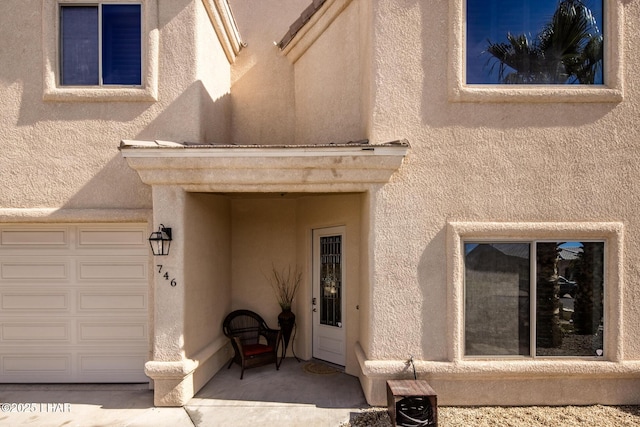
291,396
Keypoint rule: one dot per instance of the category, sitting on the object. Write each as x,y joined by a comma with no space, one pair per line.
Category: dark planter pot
286,320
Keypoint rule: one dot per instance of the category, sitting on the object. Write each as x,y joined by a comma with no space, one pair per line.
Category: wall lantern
160,240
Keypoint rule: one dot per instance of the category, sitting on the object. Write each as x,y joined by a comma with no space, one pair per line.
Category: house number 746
166,275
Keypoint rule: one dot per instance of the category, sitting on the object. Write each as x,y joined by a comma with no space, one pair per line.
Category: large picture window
534,42
101,45
534,299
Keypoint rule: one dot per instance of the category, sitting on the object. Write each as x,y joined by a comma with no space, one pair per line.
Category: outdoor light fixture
160,240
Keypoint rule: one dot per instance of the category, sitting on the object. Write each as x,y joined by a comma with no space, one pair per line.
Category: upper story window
534,298
536,51
100,50
100,45
534,42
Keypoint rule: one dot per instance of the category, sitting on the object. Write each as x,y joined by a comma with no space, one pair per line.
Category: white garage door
74,303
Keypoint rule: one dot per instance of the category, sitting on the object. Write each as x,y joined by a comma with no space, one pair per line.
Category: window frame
533,297
611,233
611,90
99,5
53,88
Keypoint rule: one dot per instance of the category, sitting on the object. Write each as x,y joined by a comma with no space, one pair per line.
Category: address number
172,281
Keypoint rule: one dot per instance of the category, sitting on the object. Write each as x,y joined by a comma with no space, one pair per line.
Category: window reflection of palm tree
568,49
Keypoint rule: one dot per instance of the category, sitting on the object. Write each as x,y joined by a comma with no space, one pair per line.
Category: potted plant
285,284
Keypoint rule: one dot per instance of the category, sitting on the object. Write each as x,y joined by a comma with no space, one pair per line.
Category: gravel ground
529,416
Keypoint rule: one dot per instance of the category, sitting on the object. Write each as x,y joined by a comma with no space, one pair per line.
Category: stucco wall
207,270
207,286
214,75
329,84
64,154
485,162
533,164
263,235
262,80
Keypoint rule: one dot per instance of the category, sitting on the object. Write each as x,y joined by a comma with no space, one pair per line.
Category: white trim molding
225,26
303,168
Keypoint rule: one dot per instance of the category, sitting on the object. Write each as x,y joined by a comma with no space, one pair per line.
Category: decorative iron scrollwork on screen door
331,281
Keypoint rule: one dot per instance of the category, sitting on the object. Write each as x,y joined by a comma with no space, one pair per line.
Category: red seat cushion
255,349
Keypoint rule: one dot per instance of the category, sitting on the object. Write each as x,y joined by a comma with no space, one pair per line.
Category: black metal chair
254,343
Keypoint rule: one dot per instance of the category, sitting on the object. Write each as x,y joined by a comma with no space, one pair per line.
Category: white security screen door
329,295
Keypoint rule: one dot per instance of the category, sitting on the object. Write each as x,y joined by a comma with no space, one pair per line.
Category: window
534,42
535,299
100,45
530,65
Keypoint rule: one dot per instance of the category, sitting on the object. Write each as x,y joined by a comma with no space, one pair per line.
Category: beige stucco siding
553,164
213,76
262,80
263,238
207,282
207,265
544,162
329,86
64,154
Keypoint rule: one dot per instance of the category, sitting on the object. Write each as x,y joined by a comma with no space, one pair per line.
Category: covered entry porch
237,212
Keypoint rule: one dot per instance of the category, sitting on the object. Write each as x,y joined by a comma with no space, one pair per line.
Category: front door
329,295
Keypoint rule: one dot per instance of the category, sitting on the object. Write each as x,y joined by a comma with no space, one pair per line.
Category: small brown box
412,403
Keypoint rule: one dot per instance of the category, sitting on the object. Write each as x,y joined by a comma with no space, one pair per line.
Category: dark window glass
120,39
568,304
121,53
331,276
570,297
79,31
497,299
534,42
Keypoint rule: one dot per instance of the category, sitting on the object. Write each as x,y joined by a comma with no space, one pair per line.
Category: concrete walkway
294,396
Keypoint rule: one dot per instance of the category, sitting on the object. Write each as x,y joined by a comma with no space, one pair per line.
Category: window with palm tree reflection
534,42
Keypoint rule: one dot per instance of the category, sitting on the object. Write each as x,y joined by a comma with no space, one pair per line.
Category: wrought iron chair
254,343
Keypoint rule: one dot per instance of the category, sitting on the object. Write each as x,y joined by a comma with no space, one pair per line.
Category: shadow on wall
194,116
113,185
262,78
191,117
432,279
26,65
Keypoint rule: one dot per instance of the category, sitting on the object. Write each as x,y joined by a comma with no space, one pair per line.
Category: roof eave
310,26
210,168
225,26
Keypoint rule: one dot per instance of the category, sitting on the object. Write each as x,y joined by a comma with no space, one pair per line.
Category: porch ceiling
353,166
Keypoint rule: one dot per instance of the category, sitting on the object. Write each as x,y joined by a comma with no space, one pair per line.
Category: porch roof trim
352,166
158,148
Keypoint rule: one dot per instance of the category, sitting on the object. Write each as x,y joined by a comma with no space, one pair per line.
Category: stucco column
170,370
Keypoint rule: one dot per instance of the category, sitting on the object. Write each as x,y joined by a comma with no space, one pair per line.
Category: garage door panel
36,364
122,301
37,238
36,332
92,237
114,270
109,363
34,300
74,303
91,332
34,271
